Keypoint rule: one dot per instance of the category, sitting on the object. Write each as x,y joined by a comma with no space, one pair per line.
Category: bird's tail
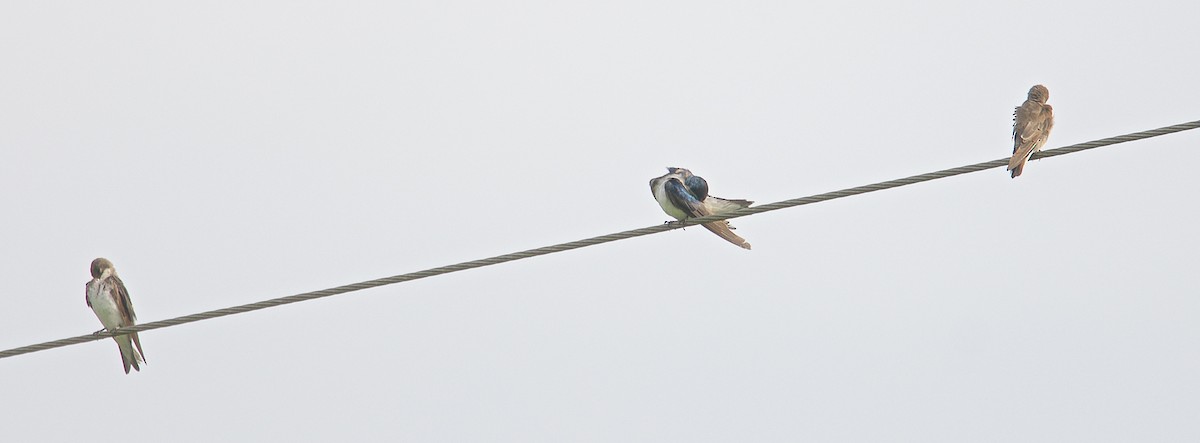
138,343
130,357
721,228
1017,170
1016,164
716,205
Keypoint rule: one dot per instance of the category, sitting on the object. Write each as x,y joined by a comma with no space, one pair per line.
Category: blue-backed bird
683,195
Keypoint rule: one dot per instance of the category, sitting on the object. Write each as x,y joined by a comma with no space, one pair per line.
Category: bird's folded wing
718,205
682,199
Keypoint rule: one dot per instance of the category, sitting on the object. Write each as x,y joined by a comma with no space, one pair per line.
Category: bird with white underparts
683,195
108,298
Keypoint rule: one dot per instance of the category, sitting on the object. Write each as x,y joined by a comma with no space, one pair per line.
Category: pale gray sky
222,154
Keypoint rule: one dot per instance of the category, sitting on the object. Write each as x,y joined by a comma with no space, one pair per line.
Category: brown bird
1032,122
107,297
683,195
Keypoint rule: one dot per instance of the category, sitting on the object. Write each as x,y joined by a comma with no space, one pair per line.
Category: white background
225,153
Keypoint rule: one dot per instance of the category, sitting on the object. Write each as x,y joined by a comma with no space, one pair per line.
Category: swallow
1032,122
107,297
683,195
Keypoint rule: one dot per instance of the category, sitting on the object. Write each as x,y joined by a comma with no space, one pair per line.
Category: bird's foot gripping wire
680,223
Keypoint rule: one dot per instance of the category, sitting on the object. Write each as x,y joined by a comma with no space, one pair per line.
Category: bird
1032,122
683,195
108,298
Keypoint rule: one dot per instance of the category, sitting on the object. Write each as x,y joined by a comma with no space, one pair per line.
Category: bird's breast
104,306
660,195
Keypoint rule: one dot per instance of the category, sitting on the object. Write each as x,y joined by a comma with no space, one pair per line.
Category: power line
592,241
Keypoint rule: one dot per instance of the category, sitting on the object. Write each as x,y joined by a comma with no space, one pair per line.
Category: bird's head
682,172
100,265
1039,93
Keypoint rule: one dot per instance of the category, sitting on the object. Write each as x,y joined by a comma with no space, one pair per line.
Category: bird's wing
1031,126
120,295
1034,125
697,186
1047,123
718,205
683,199
125,307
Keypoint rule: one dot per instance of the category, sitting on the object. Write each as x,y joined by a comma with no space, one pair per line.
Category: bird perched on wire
1032,122
683,195
107,297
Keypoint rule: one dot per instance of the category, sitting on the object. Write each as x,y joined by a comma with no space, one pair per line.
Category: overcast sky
222,154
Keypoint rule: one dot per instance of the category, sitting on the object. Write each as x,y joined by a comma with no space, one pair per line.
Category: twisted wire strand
590,241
